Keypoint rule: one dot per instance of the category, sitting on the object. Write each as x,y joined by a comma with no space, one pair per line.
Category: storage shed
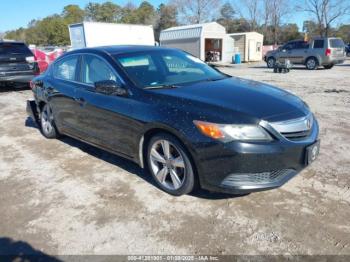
249,45
201,40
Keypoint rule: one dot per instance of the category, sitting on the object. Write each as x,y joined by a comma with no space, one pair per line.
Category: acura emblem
308,123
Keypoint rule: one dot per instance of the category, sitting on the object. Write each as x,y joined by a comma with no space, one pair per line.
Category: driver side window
289,46
95,69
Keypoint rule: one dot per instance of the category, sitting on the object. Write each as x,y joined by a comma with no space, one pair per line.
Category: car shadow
7,89
126,164
29,122
133,168
11,250
301,68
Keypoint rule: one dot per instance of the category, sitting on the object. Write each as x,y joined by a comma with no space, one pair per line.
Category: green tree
289,32
129,15
166,18
344,32
105,12
73,14
227,15
146,13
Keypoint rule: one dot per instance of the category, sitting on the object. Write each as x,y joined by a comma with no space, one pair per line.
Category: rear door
15,58
300,52
103,119
61,89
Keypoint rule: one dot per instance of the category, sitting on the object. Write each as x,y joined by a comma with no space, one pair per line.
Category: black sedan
166,110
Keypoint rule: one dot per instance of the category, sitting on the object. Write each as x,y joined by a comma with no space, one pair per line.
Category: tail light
31,84
30,59
328,52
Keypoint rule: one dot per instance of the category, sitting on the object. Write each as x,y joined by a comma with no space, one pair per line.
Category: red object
45,59
328,52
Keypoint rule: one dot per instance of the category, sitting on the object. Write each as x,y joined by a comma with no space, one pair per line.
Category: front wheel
48,128
312,63
170,165
271,62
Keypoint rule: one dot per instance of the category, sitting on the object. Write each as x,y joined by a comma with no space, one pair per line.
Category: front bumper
240,167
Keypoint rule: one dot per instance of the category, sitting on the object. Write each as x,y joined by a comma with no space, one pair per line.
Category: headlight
228,133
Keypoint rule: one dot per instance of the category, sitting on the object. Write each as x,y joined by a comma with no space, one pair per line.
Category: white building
199,39
249,45
92,34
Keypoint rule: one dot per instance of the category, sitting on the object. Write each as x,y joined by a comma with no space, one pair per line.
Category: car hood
251,98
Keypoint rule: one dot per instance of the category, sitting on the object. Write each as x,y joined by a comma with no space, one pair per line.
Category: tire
311,63
328,66
170,165
47,123
271,62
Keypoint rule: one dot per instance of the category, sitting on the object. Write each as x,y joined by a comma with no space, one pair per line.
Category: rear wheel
328,66
170,165
48,127
311,63
271,62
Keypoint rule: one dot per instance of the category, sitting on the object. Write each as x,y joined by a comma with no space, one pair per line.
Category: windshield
336,43
14,49
159,68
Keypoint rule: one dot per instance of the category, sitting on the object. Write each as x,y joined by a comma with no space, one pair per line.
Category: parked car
17,63
325,52
347,50
188,123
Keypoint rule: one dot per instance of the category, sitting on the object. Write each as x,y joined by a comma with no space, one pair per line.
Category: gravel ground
66,197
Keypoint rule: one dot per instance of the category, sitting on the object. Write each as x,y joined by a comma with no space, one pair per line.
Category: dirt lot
65,197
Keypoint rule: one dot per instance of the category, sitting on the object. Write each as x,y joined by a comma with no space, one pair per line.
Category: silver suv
324,52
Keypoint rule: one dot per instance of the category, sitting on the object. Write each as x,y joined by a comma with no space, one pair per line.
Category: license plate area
312,152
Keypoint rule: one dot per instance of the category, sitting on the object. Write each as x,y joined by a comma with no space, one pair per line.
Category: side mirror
110,87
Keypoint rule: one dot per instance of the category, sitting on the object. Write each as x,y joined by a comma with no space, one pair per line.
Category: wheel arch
158,129
151,131
312,56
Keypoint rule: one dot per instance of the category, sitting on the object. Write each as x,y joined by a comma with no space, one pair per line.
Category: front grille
256,178
295,129
296,135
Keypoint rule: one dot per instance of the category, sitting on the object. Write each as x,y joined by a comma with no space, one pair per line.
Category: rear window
319,44
14,49
336,43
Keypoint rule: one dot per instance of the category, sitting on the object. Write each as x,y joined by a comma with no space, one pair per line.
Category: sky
18,13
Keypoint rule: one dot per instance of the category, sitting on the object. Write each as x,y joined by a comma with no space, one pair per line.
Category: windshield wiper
161,87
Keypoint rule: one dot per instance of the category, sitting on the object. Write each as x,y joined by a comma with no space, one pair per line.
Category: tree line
265,16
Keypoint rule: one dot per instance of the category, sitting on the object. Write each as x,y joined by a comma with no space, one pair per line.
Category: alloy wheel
270,63
167,164
46,120
311,63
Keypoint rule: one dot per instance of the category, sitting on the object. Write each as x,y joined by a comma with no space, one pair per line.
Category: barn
249,45
200,40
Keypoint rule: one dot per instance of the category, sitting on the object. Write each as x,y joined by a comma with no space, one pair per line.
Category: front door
103,118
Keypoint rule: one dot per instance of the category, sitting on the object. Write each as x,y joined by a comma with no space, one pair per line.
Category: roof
104,23
188,26
244,33
120,49
189,31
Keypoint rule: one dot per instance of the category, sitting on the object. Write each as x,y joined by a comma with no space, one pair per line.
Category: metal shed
249,45
200,40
